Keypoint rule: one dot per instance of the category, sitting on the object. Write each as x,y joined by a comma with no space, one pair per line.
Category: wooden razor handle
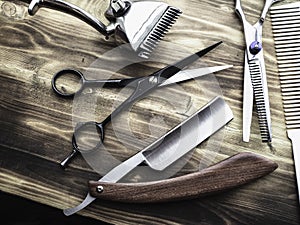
232,172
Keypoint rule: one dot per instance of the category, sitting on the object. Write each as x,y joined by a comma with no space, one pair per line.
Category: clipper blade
152,39
146,24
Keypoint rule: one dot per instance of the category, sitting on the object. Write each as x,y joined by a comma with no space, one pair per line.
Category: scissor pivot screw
99,189
255,47
153,80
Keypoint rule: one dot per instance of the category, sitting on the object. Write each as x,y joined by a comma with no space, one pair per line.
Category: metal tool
232,172
255,78
176,143
143,86
118,83
142,24
286,32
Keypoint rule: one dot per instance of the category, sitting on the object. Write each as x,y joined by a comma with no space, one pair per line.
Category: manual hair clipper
141,24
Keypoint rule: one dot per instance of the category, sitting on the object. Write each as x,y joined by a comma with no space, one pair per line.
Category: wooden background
36,125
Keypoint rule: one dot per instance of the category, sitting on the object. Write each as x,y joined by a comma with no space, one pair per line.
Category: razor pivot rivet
99,189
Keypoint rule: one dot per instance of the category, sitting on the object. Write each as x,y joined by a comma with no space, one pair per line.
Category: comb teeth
286,31
259,95
166,21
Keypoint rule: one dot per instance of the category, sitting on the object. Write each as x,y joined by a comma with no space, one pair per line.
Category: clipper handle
72,10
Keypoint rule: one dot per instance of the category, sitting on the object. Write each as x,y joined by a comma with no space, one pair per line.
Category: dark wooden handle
232,172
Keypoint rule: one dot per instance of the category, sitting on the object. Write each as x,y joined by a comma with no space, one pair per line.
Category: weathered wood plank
36,125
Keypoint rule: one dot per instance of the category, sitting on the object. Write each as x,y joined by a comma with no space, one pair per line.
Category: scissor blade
185,75
261,96
247,101
171,70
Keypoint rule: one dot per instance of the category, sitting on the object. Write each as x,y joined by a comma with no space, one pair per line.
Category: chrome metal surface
146,24
256,68
100,189
142,24
185,75
294,136
260,90
142,87
118,5
247,103
73,10
286,30
113,176
88,200
187,135
171,146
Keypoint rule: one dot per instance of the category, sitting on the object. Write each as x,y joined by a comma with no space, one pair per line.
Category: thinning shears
143,86
255,78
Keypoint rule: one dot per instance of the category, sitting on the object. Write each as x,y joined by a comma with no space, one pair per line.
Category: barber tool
230,173
171,146
142,24
118,83
286,32
143,86
255,78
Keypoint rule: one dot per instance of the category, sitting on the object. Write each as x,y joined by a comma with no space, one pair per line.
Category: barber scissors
255,78
143,86
119,83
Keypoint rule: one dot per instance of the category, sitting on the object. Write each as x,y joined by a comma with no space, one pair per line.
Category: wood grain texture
36,126
230,173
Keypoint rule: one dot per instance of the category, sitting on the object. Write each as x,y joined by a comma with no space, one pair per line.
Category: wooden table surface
37,125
